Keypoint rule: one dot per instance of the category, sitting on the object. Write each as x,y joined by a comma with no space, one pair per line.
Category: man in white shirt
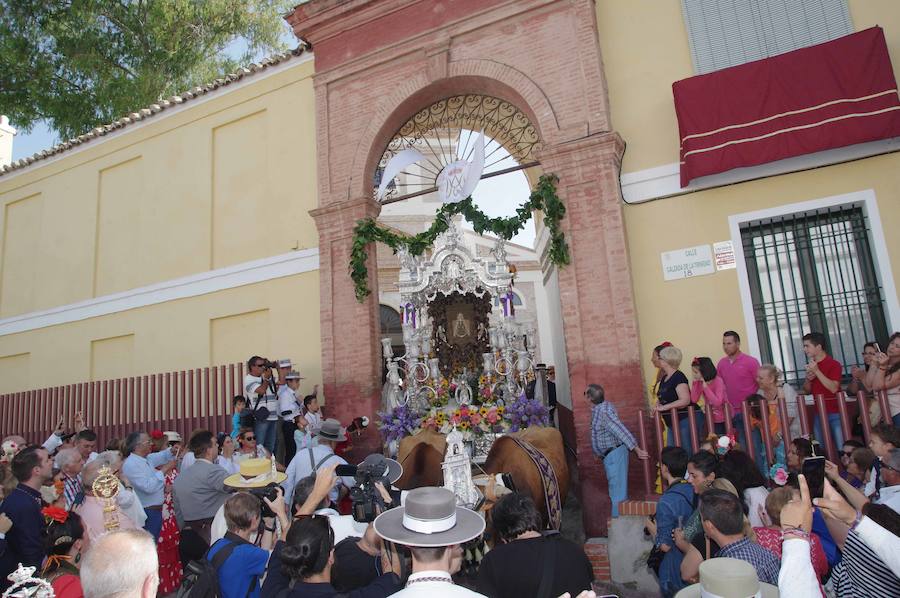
259,389
434,528
890,472
316,458
288,409
148,482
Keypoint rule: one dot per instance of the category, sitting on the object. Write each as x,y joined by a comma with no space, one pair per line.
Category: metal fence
182,401
806,410
813,271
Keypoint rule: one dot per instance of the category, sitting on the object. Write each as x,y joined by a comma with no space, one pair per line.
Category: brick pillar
351,354
597,304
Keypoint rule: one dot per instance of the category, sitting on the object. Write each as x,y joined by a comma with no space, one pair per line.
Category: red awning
830,95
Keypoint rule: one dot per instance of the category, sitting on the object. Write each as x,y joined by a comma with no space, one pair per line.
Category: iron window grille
813,271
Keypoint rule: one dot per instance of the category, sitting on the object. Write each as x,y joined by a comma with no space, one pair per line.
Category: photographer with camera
259,478
302,565
260,390
242,566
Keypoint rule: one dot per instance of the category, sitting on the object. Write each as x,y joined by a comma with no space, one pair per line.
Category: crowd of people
219,513
727,502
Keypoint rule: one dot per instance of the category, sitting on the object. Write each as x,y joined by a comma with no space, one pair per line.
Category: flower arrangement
486,388
398,423
471,420
526,412
778,473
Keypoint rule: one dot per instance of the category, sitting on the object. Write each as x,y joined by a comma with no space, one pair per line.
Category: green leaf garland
543,198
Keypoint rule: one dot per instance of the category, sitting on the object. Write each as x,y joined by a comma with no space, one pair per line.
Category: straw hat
429,518
728,578
255,473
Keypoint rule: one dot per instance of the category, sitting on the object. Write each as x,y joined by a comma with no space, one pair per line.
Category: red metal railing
181,401
806,407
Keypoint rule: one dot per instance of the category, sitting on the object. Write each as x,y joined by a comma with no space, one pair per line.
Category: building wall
645,49
200,189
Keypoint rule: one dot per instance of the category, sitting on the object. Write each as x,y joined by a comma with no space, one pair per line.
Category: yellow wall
226,179
277,318
645,49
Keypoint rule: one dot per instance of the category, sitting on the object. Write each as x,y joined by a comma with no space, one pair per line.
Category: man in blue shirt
241,571
612,442
147,473
25,541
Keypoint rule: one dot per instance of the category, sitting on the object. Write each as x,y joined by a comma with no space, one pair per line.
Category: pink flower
475,418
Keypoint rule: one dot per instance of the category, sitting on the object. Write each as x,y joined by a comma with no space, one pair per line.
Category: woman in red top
770,537
66,541
707,385
170,571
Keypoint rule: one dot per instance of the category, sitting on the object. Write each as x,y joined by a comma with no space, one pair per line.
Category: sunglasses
248,438
847,454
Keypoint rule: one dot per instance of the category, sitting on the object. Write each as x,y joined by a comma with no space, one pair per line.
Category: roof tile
156,108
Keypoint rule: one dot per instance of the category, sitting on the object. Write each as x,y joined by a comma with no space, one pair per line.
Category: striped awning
830,95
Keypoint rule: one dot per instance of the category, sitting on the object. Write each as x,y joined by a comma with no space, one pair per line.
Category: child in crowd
313,413
239,403
302,436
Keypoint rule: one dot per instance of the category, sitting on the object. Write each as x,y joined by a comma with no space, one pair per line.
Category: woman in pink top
707,385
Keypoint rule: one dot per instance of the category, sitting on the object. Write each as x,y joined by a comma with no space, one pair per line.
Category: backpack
201,577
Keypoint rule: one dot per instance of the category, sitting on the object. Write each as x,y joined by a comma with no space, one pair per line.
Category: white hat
285,363
172,436
728,578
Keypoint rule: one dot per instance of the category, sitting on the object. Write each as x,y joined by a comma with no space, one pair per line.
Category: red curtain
830,95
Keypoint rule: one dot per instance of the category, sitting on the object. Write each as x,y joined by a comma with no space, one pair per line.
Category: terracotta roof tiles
156,108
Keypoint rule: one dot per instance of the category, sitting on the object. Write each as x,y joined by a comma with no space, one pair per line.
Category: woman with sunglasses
249,448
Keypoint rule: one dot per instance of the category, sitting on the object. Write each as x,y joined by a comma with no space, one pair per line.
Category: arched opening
446,132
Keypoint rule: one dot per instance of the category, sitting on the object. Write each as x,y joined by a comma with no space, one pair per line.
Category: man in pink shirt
738,372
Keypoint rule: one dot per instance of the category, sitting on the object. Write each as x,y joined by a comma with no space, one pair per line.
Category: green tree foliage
81,63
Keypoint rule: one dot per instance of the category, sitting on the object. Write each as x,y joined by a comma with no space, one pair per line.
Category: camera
270,492
269,364
365,497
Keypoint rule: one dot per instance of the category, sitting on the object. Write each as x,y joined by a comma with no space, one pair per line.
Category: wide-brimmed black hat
392,469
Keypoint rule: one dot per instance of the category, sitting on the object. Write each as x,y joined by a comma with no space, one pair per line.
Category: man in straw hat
316,457
433,527
254,473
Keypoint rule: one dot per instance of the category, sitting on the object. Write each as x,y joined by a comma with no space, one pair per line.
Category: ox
421,456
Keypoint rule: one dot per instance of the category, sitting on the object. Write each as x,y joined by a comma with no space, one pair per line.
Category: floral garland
543,198
486,418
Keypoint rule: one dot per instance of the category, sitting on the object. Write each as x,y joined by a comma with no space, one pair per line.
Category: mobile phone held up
814,470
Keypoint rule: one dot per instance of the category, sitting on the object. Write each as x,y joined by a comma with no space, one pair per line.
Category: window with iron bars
813,271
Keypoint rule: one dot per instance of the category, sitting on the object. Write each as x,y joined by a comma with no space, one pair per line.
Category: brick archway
377,63
484,77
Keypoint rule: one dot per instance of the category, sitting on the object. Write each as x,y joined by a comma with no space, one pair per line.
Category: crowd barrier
807,410
181,401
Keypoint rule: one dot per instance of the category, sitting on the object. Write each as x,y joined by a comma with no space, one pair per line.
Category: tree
80,63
